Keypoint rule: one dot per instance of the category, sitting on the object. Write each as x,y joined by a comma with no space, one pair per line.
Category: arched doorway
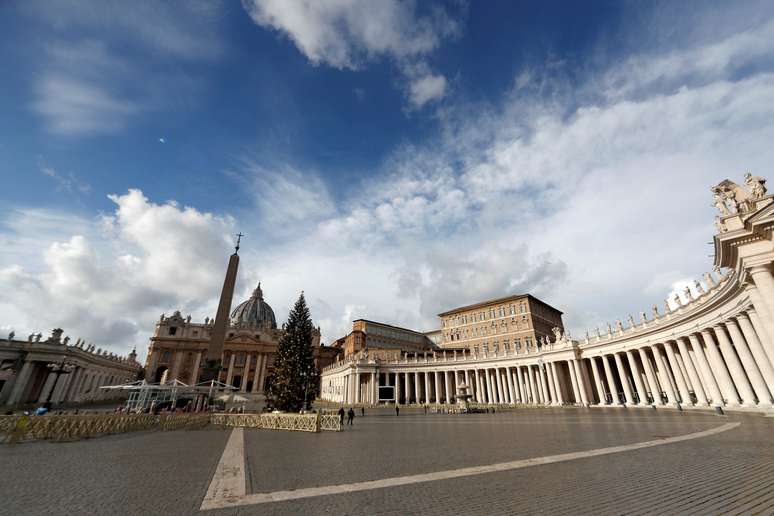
159,373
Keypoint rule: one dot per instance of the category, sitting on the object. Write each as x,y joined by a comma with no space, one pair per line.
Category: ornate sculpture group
730,198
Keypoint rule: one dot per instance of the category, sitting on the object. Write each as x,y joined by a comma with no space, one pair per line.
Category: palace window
476,349
196,333
502,312
172,330
496,347
166,356
486,348
516,343
481,316
522,308
240,360
512,310
506,345
528,342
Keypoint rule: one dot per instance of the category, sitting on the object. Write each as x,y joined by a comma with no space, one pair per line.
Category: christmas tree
294,383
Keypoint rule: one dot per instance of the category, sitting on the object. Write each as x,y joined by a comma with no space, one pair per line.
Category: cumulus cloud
111,281
350,33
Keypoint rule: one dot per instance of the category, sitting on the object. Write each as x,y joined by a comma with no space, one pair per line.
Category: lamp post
58,369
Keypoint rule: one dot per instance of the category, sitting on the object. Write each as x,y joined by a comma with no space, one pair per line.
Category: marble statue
719,201
719,226
654,309
188,319
709,280
643,318
66,340
631,321
687,294
667,307
38,336
29,338
609,330
698,287
11,335
677,300
619,326
756,184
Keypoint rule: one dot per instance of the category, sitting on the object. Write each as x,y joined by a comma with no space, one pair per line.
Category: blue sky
392,159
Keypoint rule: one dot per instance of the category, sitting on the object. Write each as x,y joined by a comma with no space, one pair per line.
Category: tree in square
294,383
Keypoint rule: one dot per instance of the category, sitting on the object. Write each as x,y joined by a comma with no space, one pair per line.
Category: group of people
350,415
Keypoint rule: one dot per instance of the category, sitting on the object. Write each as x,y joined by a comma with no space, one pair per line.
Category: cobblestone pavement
169,472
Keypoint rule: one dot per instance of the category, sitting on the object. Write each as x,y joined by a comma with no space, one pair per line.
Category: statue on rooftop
11,335
756,184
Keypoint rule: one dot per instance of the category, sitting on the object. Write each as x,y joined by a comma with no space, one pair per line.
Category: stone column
750,367
711,385
682,386
574,380
766,344
610,379
408,388
416,388
259,359
532,391
509,381
499,383
597,381
624,378
654,388
230,374
467,380
766,369
557,384
357,388
581,383
396,390
195,371
662,370
447,384
522,391
698,390
744,389
543,387
437,387
246,375
637,377
762,320
764,281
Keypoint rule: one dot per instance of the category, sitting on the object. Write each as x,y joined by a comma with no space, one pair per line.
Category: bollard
719,410
679,407
653,407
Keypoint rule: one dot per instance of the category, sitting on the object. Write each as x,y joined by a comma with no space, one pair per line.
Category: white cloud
426,89
112,278
349,33
65,182
103,64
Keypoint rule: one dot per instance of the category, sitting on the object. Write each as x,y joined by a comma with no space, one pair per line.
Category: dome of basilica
254,312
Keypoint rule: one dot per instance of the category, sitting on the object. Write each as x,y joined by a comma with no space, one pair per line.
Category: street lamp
58,369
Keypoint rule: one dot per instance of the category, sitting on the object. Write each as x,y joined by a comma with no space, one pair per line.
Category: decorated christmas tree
294,383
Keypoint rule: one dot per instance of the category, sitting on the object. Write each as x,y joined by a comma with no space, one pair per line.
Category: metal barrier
64,427
294,422
73,427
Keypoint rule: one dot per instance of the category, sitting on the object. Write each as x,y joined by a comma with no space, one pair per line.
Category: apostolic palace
713,348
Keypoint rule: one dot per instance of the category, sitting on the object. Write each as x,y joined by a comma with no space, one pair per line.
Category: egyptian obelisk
214,362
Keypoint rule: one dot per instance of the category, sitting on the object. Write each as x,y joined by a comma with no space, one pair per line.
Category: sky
391,159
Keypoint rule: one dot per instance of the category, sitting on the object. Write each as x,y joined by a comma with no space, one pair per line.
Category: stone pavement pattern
169,472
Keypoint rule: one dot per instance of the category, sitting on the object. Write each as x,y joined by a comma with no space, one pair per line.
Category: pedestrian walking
350,415
425,408
341,416
362,411
397,410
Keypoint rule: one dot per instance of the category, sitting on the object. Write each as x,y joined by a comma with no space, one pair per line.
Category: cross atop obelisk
239,239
